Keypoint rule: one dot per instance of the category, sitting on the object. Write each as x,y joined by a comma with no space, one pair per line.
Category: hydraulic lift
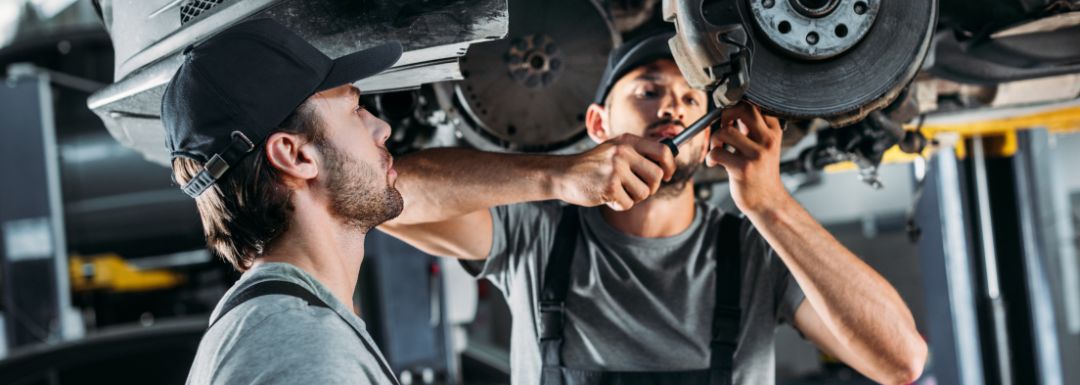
991,220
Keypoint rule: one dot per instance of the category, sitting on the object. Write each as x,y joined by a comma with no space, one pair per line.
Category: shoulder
525,222
272,322
541,209
276,319
277,339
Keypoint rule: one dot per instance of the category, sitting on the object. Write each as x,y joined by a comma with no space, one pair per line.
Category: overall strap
278,287
727,315
555,286
269,287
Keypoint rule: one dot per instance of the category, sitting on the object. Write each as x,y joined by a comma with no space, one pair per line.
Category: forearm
860,308
443,183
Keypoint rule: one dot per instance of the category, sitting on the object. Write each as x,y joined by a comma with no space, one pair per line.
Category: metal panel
35,282
945,252
434,34
992,305
1036,219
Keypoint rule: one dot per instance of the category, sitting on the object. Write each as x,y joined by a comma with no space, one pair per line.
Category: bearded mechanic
289,173
616,274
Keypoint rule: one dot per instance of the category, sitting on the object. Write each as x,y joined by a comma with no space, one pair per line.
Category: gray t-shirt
636,304
279,339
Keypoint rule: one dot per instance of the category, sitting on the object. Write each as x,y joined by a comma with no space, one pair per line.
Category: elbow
908,375
909,367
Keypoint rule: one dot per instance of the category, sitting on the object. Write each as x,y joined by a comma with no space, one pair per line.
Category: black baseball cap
630,55
233,90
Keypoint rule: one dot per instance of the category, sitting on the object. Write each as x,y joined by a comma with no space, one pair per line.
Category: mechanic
289,173
634,280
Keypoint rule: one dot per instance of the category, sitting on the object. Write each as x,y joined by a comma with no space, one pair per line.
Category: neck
656,217
322,245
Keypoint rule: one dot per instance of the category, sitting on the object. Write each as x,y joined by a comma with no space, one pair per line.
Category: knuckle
611,155
608,190
619,150
606,170
652,173
611,182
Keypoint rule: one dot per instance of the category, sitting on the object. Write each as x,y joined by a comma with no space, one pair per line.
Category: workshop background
958,186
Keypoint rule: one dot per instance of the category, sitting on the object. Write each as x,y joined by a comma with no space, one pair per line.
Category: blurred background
966,200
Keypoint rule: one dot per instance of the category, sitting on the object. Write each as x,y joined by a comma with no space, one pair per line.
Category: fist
619,173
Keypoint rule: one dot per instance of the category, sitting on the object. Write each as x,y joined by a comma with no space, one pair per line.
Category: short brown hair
249,207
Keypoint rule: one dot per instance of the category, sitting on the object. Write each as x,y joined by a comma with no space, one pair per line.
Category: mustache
665,122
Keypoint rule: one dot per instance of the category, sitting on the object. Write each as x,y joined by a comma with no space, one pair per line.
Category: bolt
537,62
768,3
860,8
812,38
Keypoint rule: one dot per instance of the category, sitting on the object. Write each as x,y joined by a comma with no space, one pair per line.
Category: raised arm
850,310
448,191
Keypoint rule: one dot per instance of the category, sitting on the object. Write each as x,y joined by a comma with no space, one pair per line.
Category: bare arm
850,310
448,191
444,183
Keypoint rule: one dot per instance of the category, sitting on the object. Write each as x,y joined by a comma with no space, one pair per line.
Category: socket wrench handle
694,129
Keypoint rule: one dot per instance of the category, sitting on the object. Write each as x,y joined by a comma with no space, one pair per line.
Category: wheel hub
815,29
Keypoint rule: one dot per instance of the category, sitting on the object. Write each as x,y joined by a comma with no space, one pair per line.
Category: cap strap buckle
218,164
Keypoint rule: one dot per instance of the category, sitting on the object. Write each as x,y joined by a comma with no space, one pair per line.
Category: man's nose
671,109
382,133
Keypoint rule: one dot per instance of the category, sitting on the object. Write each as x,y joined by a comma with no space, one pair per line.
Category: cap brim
361,64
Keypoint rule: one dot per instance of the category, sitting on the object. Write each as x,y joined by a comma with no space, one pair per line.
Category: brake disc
834,59
529,91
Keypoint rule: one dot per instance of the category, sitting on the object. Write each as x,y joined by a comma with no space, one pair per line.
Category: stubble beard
356,197
684,171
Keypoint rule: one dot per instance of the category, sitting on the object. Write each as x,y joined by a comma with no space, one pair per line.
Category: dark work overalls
725,325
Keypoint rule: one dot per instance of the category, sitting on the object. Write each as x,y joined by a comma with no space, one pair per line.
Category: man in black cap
636,282
289,173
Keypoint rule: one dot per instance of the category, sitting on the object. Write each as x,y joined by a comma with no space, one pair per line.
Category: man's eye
360,107
646,93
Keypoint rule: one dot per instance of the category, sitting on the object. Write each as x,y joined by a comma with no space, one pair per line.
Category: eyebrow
354,91
650,76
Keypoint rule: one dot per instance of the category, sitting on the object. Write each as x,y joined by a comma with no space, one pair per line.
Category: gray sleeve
287,349
787,295
520,233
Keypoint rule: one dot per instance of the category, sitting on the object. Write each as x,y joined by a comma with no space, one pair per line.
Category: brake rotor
835,59
529,91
